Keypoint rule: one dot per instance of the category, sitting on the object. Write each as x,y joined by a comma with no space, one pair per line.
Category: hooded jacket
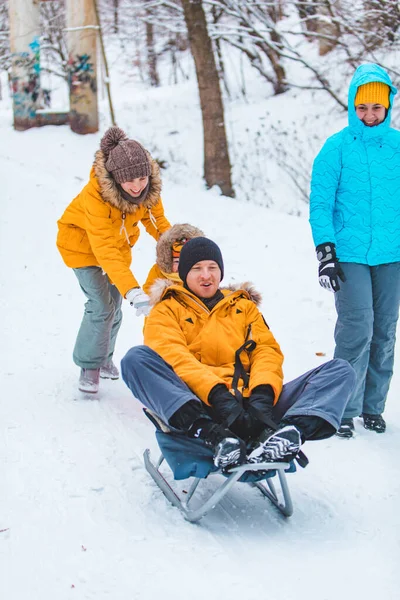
355,186
200,345
100,227
163,267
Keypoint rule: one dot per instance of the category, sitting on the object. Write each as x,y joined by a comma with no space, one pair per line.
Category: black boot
229,450
374,423
346,428
311,427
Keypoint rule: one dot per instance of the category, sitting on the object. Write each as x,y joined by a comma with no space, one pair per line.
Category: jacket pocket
338,222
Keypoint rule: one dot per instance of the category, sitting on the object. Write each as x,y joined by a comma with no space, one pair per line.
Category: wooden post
25,61
82,65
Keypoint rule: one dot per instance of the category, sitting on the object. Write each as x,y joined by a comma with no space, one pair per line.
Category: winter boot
374,423
281,446
346,428
229,450
109,371
192,418
89,381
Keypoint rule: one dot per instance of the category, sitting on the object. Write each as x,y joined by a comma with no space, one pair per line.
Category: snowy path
81,517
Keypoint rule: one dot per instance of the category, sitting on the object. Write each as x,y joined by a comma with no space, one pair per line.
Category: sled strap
239,370
239,373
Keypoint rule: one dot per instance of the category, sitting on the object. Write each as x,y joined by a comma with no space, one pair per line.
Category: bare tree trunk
217,168
116,15
151,53
218,49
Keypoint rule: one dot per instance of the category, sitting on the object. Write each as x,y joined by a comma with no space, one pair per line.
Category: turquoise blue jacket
355,185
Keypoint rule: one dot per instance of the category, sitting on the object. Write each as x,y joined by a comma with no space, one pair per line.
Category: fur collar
164,244
160,286
111,194
247,286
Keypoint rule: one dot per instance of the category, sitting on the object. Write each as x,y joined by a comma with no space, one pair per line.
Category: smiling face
204,278
135,187
371,114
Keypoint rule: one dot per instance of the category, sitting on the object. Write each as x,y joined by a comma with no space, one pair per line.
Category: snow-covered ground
79,516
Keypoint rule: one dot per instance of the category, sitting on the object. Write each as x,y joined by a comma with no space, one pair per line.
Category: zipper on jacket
123,229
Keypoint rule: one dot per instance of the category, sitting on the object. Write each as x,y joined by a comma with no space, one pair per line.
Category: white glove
139,300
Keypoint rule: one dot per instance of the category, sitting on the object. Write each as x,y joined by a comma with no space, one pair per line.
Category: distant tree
150,47
5,56
318,16
217,168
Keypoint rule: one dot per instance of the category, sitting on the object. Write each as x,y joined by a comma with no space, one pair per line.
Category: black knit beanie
195,250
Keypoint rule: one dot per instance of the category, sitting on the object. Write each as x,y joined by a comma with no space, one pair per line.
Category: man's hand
260,403
227,410
329,270
139,300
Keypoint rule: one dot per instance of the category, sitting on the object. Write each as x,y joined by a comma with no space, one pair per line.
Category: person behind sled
95,237
211,368
168,250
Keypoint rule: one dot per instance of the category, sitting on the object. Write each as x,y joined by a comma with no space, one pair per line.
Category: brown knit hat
125,159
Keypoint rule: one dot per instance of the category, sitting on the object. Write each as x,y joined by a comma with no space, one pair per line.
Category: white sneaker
281,446
89,381
109,371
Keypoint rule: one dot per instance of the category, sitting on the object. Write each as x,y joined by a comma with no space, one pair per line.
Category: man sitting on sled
212,369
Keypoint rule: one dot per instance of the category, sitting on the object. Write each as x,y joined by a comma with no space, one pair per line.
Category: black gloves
260,404
227,410
329,270
247,421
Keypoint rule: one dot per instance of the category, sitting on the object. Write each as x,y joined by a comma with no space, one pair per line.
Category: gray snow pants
367,306
322,392
94,346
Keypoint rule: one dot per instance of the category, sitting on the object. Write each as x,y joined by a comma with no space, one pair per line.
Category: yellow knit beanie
374,92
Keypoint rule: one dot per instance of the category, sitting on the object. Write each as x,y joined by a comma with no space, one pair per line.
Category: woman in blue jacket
355,221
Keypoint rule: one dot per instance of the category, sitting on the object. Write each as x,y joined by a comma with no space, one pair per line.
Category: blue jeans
322,392
94,346
367,306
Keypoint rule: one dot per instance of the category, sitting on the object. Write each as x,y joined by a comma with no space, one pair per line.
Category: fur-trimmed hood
164,244
160,287
247,286
109,188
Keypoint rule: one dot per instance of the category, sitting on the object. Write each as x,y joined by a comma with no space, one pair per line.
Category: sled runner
188,457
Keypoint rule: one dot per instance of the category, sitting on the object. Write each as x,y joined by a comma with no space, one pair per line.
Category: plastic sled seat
188,458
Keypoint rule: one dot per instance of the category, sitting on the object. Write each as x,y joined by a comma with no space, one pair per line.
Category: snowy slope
79,516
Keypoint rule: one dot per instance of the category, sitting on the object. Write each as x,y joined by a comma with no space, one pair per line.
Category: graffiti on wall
83,94
81,77
25,81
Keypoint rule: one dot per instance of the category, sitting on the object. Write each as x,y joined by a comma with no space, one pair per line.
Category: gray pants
322,392
94,346
367,306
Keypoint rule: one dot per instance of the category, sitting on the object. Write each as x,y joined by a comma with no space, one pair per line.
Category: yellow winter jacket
200,345
100,227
